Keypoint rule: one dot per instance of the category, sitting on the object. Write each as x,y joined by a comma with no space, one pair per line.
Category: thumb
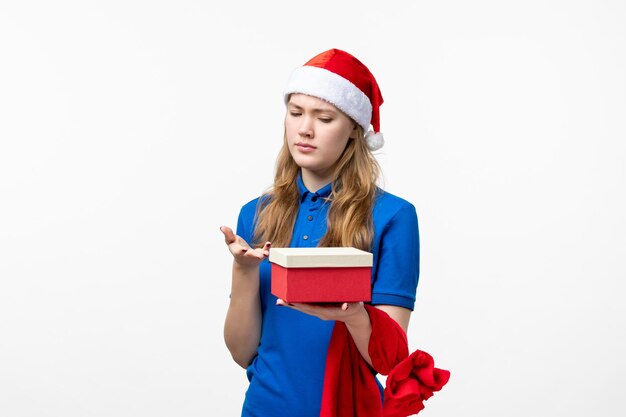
229,236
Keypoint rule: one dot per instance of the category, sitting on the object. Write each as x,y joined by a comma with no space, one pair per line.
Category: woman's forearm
360,326
242,328
360,329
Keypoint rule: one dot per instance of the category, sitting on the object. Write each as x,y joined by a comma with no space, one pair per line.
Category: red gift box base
319,285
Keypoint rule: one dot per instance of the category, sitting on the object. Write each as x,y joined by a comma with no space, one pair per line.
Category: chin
304,165
303,162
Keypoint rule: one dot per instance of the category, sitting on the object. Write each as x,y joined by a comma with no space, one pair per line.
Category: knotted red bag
350,388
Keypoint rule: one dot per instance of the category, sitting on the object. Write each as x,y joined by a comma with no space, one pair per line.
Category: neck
314,181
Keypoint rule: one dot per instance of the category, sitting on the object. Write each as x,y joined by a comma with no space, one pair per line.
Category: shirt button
314,199
305,237
309,218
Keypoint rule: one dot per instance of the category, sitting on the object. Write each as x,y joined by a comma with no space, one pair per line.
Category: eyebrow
315,110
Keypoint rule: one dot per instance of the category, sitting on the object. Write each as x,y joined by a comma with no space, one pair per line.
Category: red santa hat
344,81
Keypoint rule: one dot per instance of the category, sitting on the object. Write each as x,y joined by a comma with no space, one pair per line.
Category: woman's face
317,133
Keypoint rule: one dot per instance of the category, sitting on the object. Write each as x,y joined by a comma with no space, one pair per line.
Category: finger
281,302
266,248
229,236
255,253
312,309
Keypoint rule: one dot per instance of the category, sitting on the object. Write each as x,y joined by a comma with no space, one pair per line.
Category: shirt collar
322,192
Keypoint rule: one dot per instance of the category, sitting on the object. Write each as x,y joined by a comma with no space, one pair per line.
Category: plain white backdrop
131,130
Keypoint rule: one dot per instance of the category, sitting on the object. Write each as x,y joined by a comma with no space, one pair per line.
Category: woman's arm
242,328
356,319
360,327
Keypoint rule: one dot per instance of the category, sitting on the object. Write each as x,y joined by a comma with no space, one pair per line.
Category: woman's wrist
245,269
359,320
245,281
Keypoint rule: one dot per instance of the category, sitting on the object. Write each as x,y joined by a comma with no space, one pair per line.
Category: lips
305,147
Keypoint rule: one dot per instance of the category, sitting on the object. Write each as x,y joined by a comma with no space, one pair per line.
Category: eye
324,120
295,114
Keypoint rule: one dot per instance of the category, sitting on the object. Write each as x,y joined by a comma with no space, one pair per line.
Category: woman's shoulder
250,205
388,202
250,208
247,218
393,213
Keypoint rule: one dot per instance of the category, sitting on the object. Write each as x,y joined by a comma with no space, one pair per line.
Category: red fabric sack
350,388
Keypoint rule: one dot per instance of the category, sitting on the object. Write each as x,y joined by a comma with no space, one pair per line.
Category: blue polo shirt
286,376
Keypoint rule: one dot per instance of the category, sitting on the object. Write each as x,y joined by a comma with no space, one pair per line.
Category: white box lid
320,257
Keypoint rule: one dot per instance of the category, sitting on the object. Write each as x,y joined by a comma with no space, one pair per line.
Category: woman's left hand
346,312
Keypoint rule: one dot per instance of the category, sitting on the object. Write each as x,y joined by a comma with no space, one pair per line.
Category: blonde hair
351,200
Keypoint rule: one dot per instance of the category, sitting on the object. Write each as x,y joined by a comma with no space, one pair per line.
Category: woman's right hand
242,252
242,327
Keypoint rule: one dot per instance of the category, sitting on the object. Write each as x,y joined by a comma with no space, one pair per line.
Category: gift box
317,275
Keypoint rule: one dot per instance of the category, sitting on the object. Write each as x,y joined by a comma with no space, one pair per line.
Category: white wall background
131,130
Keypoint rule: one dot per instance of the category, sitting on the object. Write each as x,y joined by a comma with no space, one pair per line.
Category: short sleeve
397,267
245,221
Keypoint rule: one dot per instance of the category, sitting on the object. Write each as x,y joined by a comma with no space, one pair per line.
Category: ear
353,132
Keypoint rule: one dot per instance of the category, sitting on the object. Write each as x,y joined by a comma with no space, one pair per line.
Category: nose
306,127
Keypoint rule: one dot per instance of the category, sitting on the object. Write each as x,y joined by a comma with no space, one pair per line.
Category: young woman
324,194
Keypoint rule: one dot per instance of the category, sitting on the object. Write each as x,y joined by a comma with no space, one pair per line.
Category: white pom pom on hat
344,81
374,140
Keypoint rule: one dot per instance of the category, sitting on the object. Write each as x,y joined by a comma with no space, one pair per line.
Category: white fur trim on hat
324,84
374,140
